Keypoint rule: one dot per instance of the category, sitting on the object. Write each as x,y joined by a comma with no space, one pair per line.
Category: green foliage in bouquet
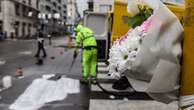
144,14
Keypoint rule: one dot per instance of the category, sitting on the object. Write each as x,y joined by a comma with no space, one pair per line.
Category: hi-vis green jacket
85,36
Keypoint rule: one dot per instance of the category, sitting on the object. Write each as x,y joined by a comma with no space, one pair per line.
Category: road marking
25,52
43,91
2,62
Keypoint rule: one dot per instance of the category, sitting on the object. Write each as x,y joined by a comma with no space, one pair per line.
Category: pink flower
145,26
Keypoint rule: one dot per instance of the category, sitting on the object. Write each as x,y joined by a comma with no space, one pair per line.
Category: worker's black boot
84,81
44,56
94,80
39,61
121,84
37,56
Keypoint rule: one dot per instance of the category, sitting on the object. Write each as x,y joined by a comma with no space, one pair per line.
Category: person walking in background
40,42
50,39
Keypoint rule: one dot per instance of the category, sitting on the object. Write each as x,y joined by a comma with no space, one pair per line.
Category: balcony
26,4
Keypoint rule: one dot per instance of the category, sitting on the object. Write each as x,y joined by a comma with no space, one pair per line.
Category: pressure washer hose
114,93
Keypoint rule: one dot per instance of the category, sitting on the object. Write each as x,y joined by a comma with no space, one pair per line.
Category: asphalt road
15,54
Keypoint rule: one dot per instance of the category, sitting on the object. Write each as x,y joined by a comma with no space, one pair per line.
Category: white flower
132,7
124,51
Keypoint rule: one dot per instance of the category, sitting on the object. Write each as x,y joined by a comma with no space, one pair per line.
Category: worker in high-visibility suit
85,37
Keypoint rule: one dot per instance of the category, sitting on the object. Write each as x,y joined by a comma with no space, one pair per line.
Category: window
105,8
48,8
17,9
64,17
37,4
90,6
1,26
65,6
23,29
54,11
59,7
24,1
17,23
0,5
29,29
59,1
30,13
54,4
24,11
29,2
70,1
42,7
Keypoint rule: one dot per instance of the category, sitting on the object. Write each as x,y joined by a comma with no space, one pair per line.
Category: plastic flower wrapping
149,54
124,50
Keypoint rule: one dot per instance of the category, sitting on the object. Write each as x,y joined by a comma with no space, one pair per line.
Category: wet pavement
15,54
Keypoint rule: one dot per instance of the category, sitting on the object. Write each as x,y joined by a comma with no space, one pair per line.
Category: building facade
101,6
18,18
73,15
82,6
53,15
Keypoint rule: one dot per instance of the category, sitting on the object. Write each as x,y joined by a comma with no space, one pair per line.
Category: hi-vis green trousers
89,62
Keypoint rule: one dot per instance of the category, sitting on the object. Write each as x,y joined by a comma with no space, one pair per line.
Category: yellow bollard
69,42
187,85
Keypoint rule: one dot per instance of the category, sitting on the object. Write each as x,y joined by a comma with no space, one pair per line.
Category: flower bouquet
124,50
149,54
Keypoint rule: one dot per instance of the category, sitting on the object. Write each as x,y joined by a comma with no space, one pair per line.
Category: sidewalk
140,101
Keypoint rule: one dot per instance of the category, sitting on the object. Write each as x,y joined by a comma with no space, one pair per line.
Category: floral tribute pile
124,50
